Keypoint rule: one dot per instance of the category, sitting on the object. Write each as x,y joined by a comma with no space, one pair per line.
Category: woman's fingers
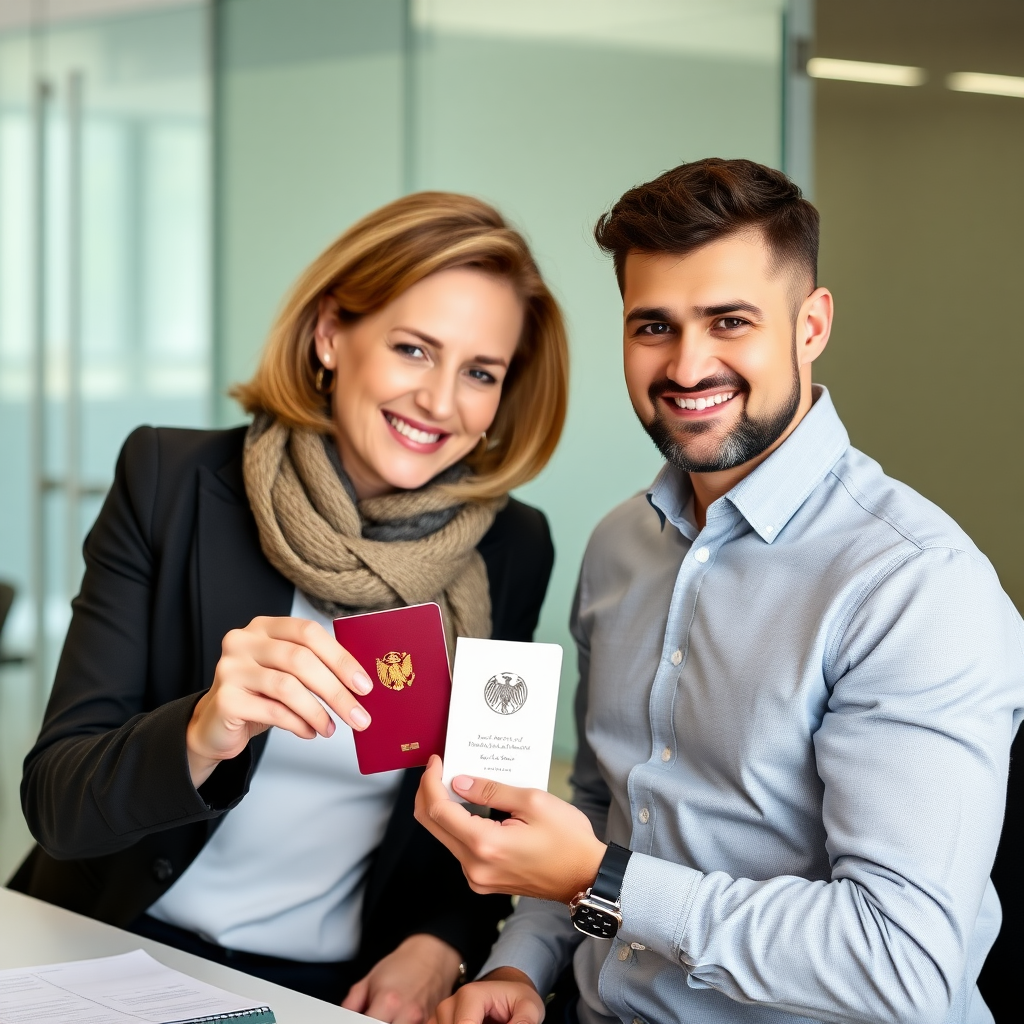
289,691
357,996
272,712
284,648
277,671
385,1006
311,635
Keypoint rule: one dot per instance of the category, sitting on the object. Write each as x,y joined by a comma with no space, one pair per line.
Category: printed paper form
501,721
121,989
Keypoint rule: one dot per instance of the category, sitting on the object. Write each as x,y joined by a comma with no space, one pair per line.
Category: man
799,680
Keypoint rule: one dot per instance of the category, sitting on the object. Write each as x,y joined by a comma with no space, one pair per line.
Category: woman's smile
416,436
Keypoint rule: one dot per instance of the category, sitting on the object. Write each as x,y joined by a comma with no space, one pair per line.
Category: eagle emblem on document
505,693
394,670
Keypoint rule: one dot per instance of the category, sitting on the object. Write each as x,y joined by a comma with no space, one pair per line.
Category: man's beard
748,439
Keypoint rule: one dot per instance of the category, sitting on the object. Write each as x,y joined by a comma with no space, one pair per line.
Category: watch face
592,920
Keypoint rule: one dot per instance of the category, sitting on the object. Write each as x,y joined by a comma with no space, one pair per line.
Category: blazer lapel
235,582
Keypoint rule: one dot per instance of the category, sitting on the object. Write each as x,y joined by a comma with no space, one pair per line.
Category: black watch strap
608,884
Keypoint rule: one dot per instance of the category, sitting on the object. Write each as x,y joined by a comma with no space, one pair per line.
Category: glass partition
104,278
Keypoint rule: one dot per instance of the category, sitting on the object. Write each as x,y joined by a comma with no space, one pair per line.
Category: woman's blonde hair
382,256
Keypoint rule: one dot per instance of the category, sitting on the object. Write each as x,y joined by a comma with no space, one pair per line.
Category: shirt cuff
656,899
537,940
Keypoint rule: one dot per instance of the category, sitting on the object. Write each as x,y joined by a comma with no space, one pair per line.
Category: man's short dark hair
701,202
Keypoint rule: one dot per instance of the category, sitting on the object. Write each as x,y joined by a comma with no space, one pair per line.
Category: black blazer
172,563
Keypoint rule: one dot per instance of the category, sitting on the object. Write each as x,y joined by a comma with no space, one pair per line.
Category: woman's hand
406,986
267,675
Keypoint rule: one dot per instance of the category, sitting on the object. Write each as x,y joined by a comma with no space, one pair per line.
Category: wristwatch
597,911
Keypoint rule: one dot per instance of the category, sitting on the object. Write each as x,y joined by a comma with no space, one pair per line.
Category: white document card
501,721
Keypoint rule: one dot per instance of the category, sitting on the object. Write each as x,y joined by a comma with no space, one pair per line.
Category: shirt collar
670,496
769,496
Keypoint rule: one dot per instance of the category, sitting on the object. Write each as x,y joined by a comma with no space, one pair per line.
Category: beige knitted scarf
349,556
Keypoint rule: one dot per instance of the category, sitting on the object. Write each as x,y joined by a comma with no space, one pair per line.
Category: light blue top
285,872
799,718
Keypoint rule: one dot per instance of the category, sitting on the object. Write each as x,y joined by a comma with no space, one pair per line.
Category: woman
417,373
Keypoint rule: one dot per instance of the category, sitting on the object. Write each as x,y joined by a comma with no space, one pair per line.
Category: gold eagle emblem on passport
394,670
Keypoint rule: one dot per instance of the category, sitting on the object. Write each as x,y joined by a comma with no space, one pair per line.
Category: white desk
33,932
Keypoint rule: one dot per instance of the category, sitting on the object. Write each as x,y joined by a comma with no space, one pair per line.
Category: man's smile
705,404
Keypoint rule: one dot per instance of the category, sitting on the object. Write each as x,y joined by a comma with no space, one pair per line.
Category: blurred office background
168,166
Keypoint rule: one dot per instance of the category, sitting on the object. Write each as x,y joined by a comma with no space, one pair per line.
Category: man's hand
406,986
505,996
546,849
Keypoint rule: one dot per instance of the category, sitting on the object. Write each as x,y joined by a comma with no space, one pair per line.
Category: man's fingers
526,1011
432,808
514,799
490,1001
468,1006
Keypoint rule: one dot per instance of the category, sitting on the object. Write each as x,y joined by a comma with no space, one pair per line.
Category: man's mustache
720,380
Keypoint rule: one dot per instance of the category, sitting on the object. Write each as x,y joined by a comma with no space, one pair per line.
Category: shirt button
637,1020
677,657
644,815
702,554
666,754
624,953
637,945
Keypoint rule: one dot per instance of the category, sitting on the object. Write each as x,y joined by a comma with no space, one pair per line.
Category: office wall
308,139
922,216
548,108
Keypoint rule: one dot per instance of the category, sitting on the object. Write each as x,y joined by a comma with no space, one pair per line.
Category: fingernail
360,718
462,782
362,683
331,727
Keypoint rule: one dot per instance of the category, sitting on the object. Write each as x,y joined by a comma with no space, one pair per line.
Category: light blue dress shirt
799,719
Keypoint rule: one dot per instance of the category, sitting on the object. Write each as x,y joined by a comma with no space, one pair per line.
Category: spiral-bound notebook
123,989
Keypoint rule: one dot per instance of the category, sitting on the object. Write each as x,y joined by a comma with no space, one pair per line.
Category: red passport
403,652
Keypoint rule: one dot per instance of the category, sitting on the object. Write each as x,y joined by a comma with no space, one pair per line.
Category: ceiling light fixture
862,71
992,85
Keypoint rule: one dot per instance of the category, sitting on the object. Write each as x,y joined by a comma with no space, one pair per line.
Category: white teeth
419,436
704,403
